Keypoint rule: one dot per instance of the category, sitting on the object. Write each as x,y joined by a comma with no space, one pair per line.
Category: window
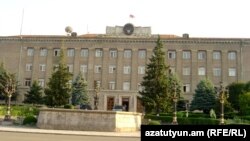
171,70
56,52
70,68
231,55
126,86
84,52
186,88
112,85
43,52
42,67
217,71
126,69
216,55
27,82
71,52
98,52
98,69
113,53
232,72
186,55
112,68
201,55
141,69
41,82
127,53
140,87
28,67
186,71
201,71
171,54
142,53
30,51
84,68
55,68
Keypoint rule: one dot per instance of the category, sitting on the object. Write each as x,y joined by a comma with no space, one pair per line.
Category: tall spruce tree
79,91
174,87
35,94
204,97
58,88
155,96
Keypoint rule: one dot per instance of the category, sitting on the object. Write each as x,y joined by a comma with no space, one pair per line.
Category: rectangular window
127,53
186,55
202,71
126,86
98,52
231,55
201,55
28,67
186,88
171,70
70,68
41,82
71,52
30,51
113,53
84,52
112,85
42,67
56,52
43,52
217,71
84,68
55,67
126,70
141,69
186,71
171,54
112,68
98,69
140,87
142,53
231,72
216,55
27,82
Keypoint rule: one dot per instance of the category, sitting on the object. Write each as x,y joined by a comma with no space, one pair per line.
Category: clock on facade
128,29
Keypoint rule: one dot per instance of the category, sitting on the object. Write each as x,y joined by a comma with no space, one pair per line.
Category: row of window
128,53
141,69
84,68
202,55
112,85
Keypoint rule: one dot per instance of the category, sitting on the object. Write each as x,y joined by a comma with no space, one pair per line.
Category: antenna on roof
21,28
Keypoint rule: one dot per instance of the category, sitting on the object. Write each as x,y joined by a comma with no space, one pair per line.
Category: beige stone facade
118,61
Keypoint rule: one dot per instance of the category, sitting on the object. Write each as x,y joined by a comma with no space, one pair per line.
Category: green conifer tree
35,94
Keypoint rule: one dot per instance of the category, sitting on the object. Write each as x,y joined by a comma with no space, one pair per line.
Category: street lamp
175,99
9,90
223,95
96,97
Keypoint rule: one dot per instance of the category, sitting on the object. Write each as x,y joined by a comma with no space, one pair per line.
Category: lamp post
175,107
96,97
9,90
223,95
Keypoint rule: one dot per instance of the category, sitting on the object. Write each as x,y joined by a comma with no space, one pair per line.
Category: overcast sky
198,18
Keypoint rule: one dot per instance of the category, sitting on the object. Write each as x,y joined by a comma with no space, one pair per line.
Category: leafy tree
204,97
34,95
58,88
244,103
155,94
79,91
235,90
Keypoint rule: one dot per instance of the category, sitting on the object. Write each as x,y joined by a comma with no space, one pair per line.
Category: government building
117,60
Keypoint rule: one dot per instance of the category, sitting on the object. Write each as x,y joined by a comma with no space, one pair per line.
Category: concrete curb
23,129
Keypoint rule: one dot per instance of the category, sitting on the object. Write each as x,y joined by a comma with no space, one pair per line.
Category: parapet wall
88,120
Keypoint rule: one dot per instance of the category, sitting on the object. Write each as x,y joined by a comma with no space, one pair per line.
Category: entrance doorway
125,104
110,103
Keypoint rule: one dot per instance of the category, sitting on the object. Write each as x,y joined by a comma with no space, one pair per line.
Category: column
105,67
134,71
119,73
224,66
194,70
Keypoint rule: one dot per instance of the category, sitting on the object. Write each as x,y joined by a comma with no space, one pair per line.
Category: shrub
30,120
68,106
154,122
